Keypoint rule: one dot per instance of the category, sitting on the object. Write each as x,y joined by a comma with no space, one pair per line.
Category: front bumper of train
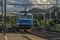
24,26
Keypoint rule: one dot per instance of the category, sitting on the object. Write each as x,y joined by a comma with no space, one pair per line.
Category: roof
24,13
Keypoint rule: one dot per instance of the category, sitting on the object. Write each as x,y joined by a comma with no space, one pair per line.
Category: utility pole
57,2
4,19
55,19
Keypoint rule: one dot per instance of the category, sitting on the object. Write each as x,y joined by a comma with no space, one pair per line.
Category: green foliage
37,23
0,24
10,14
58,27
57,9
12,21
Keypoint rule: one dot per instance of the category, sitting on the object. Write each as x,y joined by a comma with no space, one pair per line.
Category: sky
27,2
18,8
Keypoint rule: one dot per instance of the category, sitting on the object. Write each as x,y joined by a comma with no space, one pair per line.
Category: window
26,17
29,16
22,16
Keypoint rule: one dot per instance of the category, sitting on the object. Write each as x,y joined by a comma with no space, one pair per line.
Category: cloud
59,2
10,6
11,1
0,13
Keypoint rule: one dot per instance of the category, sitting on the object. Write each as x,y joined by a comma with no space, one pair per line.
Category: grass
11,15
11,20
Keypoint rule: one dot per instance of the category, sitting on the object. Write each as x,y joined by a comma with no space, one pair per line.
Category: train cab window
29,16
22,16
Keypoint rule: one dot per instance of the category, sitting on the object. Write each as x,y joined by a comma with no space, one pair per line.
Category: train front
25,21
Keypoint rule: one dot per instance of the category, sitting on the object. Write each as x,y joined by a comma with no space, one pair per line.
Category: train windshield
29,16
26,17
22,16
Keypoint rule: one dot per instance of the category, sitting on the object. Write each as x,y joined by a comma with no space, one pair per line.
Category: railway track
49,34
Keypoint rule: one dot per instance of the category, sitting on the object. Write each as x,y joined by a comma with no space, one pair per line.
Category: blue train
25,21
